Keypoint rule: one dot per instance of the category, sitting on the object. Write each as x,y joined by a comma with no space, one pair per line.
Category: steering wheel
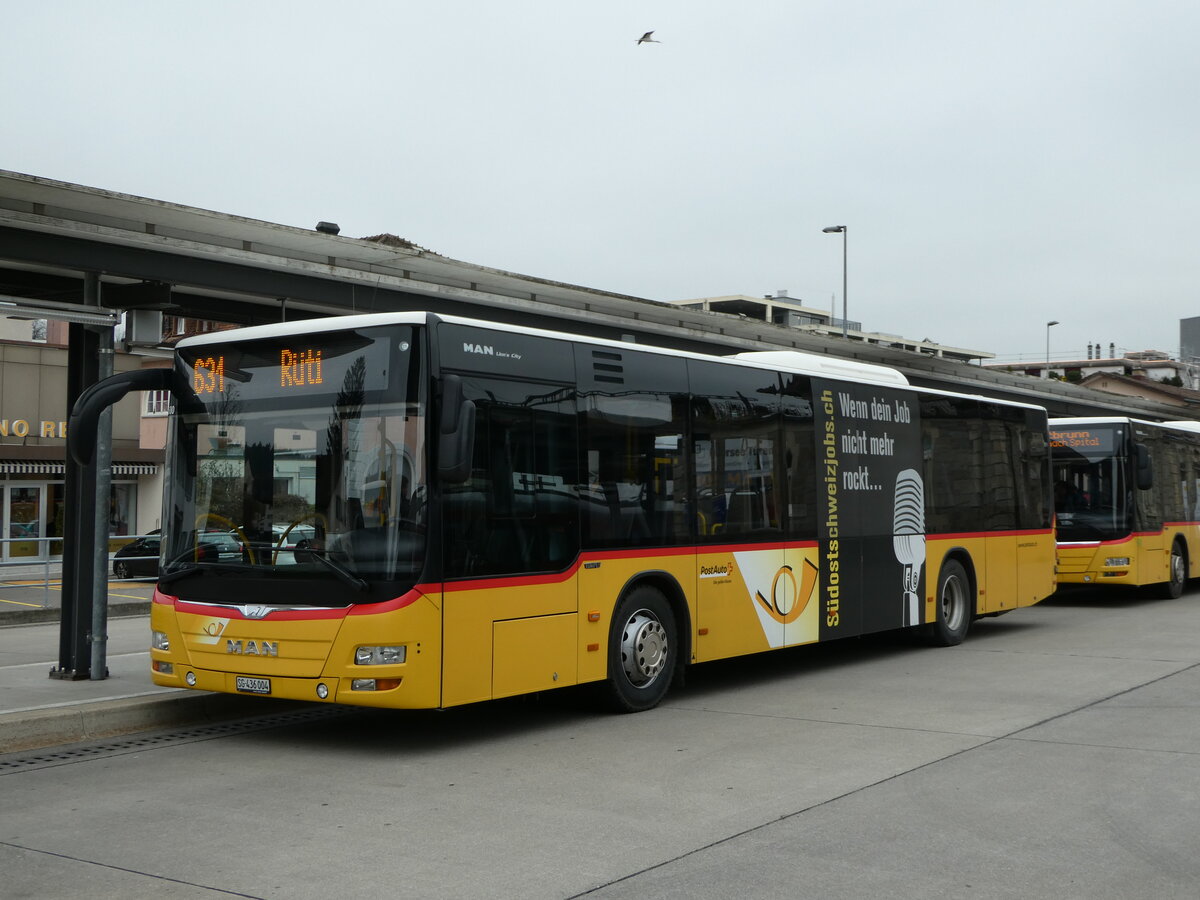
322,521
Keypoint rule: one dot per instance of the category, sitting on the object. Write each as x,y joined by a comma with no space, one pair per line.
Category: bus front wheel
643,646
953,610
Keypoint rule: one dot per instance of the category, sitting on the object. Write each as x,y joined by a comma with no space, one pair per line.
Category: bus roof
304,326
1188,425
794,361
1092,420
786,360
830,366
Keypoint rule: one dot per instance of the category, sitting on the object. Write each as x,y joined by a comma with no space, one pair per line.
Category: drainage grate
60,756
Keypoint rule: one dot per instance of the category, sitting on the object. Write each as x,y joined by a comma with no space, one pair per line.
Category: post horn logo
788,600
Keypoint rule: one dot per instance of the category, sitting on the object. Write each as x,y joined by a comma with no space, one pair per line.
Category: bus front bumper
1095,564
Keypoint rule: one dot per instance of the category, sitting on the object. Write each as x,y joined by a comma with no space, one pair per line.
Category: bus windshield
1091,491
299,458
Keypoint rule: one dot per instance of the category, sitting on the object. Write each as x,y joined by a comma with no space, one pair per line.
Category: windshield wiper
340,571
192,568
182,572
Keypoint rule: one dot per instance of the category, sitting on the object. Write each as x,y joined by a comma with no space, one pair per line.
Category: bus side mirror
1144,470
456,432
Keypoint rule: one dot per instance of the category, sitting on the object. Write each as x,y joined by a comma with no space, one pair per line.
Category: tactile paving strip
58,756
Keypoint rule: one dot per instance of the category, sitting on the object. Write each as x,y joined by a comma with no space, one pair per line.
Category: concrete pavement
1053,754
39,711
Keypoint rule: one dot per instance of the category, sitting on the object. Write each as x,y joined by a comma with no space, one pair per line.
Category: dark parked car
140,557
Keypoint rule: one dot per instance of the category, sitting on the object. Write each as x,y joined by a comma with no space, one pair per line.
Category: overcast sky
999,163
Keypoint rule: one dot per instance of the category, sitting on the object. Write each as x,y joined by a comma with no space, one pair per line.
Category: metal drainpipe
99,667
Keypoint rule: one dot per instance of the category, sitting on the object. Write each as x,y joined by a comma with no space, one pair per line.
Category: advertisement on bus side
872,509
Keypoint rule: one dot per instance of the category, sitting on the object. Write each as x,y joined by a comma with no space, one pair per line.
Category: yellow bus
1127,501
488,510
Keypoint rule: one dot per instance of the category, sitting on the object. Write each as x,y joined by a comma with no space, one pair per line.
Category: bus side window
633,412
736,438
953,469
799,458
518,510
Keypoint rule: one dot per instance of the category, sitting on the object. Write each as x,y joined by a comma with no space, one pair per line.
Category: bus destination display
297,369
1086,441
350,364
208,375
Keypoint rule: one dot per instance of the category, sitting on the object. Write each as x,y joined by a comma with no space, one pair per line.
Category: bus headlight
379,656
1119,561
159,641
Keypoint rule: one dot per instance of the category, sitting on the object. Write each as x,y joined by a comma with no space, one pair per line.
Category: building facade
1189,340
33,433
1148,365
790,312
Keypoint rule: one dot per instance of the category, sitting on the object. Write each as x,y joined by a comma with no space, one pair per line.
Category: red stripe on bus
963,535
408,599
637,554
285,615
1121,540
609,555
478,584
736,548
220,610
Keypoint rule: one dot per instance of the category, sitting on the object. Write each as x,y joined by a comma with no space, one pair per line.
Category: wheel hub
643,648
953,603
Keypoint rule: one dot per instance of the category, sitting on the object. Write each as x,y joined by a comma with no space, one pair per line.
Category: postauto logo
789,597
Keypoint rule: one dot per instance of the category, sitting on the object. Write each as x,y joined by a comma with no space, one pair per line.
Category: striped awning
40,467
30,467
134,468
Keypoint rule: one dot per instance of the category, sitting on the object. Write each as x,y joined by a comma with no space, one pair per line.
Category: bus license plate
253,685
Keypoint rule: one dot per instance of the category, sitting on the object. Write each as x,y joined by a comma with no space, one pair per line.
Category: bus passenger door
742,583
510,544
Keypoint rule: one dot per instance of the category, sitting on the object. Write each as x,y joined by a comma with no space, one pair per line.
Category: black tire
1178,566
643,650
121,569
954,608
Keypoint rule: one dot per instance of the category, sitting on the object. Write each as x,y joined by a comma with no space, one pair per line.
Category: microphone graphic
908,538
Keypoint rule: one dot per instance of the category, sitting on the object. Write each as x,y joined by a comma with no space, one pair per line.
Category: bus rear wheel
953,610
1177,574
642,650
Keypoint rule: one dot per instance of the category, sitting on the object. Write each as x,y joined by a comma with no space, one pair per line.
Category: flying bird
646,39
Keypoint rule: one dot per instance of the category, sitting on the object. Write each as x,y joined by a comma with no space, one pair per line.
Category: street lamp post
1049,325
843,231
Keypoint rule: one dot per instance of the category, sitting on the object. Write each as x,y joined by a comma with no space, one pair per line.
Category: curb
38,729
42,614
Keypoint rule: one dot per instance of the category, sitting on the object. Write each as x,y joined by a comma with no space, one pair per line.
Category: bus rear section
986,468
1126,495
